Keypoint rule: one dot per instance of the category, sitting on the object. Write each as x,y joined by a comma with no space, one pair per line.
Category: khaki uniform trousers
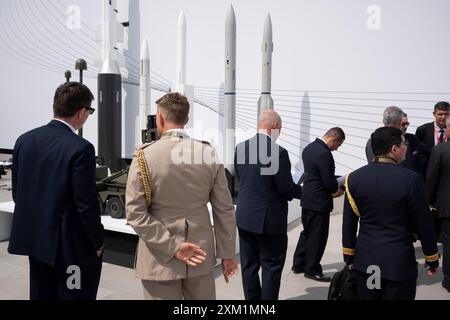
197,288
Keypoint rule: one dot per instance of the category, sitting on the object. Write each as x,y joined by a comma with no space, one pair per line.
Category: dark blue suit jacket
438,179
265,185
320,182
57,213
425,134
390,199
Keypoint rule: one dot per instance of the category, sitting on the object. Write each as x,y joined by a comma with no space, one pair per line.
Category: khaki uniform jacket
185,175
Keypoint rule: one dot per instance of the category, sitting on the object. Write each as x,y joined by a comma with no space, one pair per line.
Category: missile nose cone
145,53
231,16
230,22
268,27
181,20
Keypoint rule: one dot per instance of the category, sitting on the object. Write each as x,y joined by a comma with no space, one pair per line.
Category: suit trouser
267,252
390,290
437,225
445,229
60,283
312,241
196,288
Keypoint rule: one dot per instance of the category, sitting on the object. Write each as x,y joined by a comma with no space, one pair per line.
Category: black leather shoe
318,277
446,287
297,270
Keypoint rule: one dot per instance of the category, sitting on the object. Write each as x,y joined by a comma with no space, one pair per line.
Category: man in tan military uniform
169,185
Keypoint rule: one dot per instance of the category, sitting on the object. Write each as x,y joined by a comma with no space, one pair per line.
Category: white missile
182,87
144,89
230,89
181,52
109,38
265,101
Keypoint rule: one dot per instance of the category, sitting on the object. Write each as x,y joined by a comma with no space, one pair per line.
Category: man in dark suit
386,199
56,220
319,188
265,187
416,148
395,117
392,117
434,133
438,192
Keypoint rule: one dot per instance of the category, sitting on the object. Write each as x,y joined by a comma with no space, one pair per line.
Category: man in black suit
438,192
434,133
396,118
392,117
386,199
416,149
265,187
319,188
56,220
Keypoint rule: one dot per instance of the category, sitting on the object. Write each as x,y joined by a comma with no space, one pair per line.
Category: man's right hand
191,254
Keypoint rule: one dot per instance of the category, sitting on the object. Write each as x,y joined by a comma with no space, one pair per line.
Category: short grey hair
392,116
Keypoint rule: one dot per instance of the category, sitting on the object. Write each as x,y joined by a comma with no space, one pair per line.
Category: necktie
441,137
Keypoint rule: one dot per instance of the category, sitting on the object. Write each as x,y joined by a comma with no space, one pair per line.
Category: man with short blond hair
166,204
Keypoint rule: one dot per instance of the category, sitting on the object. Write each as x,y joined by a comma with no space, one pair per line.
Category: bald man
264,172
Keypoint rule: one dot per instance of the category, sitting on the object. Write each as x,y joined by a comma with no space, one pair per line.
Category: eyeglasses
405,124
90,110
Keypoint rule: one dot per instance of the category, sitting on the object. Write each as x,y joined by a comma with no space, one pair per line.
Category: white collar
176,130
264,133
437,128
67,124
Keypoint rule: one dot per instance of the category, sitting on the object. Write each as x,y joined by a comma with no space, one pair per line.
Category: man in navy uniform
56,220
438,192
386,199
319,188
265,187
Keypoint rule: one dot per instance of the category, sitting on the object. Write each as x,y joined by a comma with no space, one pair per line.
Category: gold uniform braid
145,173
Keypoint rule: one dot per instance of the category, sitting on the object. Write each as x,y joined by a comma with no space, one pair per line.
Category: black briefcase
343,285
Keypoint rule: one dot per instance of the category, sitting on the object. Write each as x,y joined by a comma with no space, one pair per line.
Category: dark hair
71,97
337,133
384,138
442,105
175,107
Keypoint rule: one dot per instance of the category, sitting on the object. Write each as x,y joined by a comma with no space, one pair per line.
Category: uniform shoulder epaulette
145,145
